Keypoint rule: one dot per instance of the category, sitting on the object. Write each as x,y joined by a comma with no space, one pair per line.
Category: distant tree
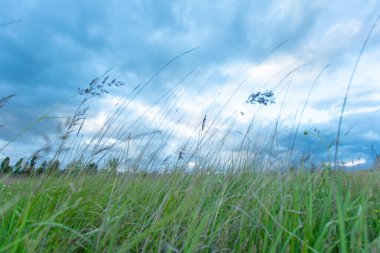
18,167
91,168
33,161
112,165
5,165
74,167
376,164
313,166
53,167
42,168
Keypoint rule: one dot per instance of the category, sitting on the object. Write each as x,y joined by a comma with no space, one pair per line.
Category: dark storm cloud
359,139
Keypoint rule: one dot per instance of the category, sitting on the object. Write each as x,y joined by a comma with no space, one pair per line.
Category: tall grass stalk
303,109
337,142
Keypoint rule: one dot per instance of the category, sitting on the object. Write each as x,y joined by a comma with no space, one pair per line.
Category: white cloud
356,162
371,136
337,36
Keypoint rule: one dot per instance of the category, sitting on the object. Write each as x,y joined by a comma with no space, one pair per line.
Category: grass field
198,212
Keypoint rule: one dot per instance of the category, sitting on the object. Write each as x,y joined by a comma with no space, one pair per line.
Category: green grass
199,212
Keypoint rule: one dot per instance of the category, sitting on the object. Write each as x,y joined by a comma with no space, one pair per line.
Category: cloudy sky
49,49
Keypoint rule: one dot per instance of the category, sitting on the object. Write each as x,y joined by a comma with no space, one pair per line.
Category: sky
49,49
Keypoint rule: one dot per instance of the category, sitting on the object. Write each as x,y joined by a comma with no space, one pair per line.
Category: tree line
29,167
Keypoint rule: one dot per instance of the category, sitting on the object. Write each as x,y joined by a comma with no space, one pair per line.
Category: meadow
205,211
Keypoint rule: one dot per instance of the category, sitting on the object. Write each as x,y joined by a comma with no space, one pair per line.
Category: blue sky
55,47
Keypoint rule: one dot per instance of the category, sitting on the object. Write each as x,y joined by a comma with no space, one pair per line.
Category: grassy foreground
199,212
